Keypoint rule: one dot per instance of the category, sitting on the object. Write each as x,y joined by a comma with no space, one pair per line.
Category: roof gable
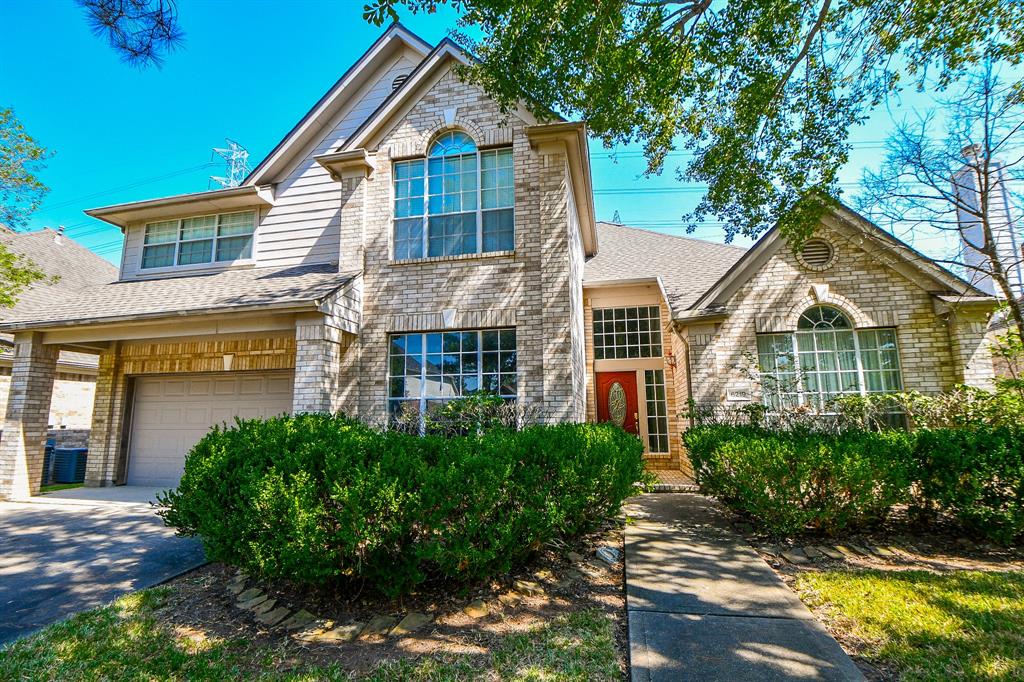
337,100
433,67
890,251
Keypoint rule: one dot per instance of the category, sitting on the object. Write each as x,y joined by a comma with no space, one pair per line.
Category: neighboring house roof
687,267
75,268
225,291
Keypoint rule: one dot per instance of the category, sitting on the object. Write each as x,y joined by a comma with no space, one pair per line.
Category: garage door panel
173,387
171,414
199,387
279,386
252,386
225,386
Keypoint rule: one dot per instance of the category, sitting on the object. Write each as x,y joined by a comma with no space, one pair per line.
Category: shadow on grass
929,626
126,640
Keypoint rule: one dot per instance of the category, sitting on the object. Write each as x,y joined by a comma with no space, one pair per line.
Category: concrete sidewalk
702,605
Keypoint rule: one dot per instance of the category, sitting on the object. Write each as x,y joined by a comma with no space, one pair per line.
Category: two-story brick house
407,243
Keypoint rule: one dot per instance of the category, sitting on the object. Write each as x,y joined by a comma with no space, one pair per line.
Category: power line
132,185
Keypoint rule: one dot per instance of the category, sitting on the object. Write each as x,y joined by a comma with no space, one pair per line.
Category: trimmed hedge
975,474
320,499
790,480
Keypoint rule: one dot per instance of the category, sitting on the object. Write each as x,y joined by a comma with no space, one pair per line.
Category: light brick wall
105,465
535,289
28,408
970,346
71,406
869,292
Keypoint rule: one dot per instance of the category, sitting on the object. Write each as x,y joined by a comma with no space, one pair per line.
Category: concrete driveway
70,551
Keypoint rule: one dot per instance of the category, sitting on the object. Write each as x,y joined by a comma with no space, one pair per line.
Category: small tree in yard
21,192
953,176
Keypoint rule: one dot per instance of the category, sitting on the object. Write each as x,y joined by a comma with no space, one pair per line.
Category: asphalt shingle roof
56,255
188,294
688,267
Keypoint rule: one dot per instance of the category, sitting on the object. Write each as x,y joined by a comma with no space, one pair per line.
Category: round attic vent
399,80
817,254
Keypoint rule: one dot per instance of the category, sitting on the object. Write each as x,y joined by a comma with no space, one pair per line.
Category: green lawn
962,625
59,486
125,641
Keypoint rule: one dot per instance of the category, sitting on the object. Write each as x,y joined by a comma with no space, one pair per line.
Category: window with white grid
827,358
427,369
218,238
657,411
458,200
627,332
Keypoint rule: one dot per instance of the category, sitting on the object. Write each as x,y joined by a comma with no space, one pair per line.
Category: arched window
459,200
826,358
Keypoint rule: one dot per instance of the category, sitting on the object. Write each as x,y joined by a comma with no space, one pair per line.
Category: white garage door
172,413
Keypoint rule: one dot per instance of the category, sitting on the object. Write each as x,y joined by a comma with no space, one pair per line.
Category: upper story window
627,333
202,239
827,358
459,200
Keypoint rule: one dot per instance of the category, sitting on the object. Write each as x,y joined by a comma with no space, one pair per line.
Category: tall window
627,333
826,358
428,369
202,239
458,200
657,411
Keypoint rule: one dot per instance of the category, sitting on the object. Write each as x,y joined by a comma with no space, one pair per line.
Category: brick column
317,366
107,420
562,313
28,412
972,356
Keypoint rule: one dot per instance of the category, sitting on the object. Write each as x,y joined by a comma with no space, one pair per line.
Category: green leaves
21,161
800,478
326,500
762,92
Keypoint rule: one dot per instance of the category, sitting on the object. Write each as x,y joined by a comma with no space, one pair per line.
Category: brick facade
935,353
529,288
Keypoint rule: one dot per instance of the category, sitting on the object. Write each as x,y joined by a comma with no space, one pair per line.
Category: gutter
49,325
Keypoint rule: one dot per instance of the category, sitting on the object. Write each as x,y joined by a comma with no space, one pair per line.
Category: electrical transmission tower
237,159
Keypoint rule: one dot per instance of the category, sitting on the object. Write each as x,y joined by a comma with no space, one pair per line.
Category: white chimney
1009,243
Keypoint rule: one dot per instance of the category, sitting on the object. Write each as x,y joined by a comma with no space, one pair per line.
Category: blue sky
121,134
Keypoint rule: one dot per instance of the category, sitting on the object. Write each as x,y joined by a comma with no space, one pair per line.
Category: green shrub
975,474
795,479
322,499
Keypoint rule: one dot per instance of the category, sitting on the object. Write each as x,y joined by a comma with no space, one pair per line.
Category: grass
59,486
126,641
963,625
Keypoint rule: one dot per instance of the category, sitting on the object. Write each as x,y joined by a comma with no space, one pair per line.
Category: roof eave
51,325
364,135
233,198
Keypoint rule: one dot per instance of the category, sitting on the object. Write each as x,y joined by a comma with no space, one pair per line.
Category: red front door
616,400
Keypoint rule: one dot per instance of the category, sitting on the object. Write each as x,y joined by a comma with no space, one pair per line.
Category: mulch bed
572,578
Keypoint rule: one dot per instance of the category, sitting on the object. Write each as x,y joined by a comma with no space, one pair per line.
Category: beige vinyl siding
304,225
